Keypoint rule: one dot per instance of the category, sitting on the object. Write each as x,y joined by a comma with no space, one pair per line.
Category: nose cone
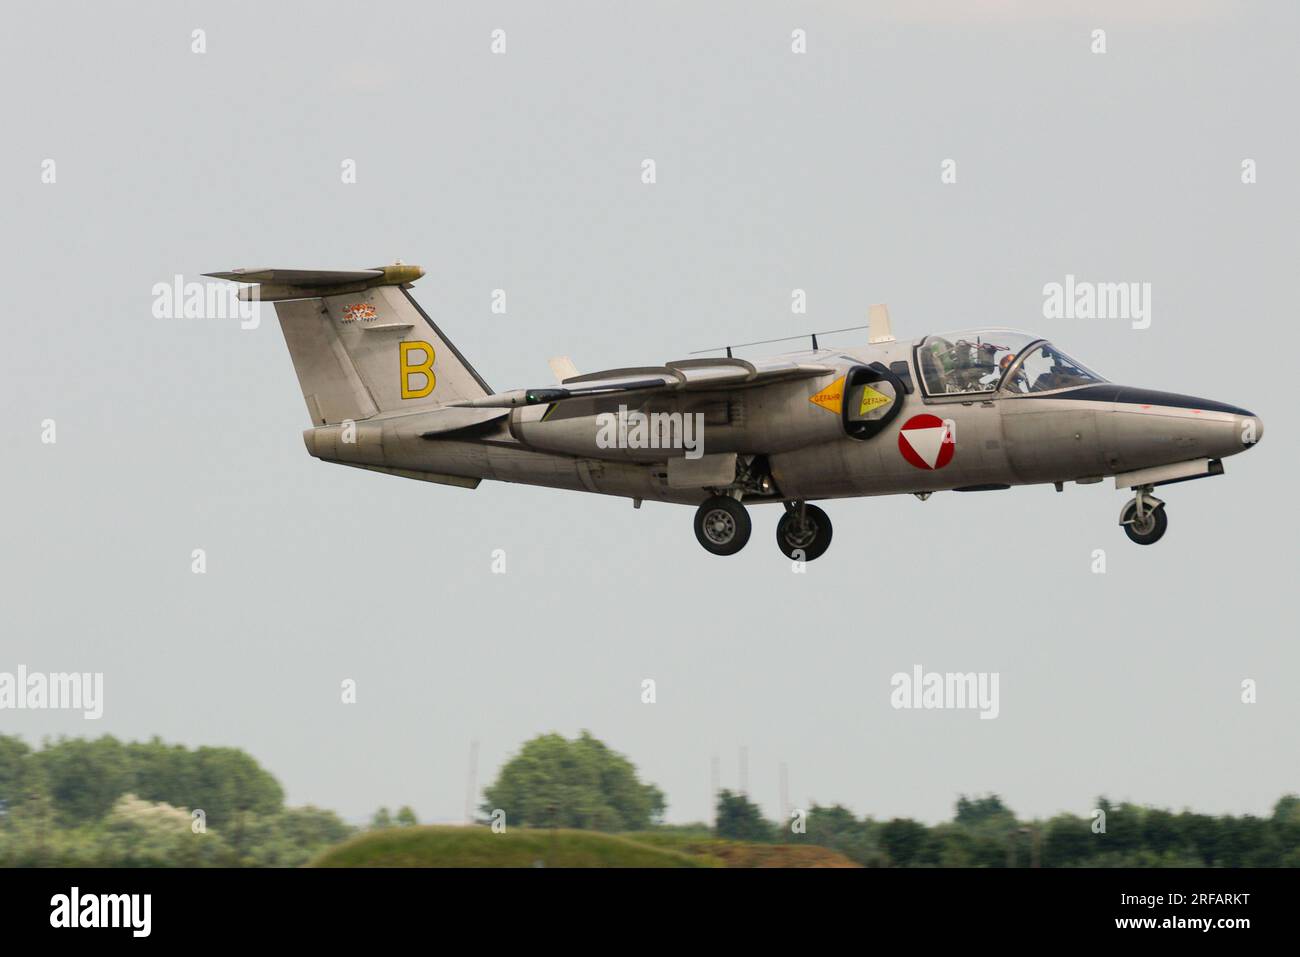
1158,428
1225,433
1218,434
1250,429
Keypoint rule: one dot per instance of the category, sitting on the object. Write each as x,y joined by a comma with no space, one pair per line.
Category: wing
682,375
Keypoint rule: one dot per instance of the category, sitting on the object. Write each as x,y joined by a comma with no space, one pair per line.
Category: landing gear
722,525
804,531
1144,518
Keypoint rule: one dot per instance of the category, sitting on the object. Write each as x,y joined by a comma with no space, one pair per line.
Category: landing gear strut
804,531
1144,518
722,525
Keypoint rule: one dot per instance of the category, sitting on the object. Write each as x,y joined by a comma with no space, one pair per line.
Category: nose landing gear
1143,517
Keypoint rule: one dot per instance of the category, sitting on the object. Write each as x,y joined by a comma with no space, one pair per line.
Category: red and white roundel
926,442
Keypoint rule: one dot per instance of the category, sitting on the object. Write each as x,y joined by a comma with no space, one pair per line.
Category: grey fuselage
998,439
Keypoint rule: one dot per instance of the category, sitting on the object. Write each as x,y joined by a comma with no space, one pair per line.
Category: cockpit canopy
985,360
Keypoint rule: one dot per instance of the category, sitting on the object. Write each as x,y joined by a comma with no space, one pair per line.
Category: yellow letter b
424,367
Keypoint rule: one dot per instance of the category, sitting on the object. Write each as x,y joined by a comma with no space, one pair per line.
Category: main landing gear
723,527
804,531
1144,518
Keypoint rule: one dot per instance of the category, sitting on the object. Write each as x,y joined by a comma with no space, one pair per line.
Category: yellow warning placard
871,399
830,398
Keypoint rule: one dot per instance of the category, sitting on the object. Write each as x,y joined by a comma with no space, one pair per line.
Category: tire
812,541
722,525
1149,533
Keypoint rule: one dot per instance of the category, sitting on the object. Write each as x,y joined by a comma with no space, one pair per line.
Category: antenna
713,792
471,784
880,329
767,342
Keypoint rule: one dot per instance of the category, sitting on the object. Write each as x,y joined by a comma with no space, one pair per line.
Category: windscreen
1045,368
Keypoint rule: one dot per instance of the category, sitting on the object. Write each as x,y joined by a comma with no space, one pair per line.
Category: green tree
990,829
139,833
1123,832
1203,835
904,841
293,836
836,828
740,819
1160,831
1248,842
166,773
14,770
228,783
381,819
555,782
988,810
406,817
101,803
85,778
1068,841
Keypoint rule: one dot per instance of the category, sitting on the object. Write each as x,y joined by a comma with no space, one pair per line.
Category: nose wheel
804,531
722,525
1144,518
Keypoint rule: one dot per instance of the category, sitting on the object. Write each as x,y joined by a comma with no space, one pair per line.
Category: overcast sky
775,171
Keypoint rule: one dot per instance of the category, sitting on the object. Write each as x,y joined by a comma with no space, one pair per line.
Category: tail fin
359,342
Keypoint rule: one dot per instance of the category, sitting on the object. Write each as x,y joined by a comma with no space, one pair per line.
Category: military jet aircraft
968,411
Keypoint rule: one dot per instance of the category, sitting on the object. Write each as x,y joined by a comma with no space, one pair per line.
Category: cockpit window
958,363
1045,368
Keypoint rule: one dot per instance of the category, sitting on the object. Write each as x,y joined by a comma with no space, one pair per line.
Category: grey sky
776,171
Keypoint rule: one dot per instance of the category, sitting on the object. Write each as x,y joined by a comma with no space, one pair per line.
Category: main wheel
722,525
1145,531
807,541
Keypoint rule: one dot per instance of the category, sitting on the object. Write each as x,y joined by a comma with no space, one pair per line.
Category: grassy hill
721,852
525,847
517,847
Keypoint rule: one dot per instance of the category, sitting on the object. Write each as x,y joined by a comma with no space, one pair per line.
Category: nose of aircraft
1221,436
1250,429
1165,427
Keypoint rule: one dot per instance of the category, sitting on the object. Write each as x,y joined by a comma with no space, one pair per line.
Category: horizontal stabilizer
278,285
299,277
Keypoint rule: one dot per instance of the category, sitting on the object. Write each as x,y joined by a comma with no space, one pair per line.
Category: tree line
986,833
106,803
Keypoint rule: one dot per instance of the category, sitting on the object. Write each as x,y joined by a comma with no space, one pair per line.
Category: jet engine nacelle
773,418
